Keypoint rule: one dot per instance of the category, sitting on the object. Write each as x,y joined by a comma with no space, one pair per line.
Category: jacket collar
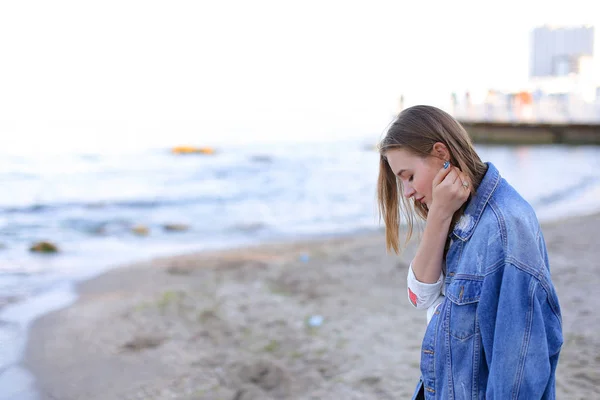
466,224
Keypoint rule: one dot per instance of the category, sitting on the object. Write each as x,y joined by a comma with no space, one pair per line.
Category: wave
248,227
131,204
567,192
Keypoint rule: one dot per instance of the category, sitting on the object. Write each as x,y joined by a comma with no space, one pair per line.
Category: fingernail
446,164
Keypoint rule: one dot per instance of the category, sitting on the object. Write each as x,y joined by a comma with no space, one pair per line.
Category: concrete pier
532,132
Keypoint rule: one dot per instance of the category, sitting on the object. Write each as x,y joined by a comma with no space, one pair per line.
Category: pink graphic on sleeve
412,297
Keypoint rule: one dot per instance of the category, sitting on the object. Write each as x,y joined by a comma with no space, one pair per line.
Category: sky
100,74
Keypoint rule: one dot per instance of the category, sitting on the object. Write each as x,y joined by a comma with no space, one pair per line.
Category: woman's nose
408,191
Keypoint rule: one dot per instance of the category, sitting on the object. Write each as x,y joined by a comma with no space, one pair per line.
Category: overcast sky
89,74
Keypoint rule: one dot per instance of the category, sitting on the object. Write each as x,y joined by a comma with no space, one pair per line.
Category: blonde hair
417,129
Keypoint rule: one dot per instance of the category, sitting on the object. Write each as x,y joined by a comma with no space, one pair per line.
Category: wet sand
318,320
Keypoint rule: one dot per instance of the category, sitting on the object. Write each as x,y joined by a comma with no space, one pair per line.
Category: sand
327,319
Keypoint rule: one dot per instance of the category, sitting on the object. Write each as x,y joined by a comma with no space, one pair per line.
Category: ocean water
87,203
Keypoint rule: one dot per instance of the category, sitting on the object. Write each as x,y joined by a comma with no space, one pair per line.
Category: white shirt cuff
422,295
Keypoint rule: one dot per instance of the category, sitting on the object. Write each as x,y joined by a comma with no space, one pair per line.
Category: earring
446,164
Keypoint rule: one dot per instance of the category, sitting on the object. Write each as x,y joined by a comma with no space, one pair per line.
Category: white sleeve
423,295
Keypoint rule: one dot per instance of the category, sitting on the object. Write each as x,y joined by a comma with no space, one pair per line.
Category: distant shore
326,319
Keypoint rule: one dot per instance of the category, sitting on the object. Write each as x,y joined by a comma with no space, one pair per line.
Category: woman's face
415,172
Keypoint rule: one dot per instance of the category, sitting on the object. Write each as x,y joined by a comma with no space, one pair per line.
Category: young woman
496,333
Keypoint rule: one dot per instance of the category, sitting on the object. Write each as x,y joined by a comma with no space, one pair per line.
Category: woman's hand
451,189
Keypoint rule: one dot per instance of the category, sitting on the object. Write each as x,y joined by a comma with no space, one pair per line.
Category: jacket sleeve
521,335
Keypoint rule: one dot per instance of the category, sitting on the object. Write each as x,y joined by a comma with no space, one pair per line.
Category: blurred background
131,129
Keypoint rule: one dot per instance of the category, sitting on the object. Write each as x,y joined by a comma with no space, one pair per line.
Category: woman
496,334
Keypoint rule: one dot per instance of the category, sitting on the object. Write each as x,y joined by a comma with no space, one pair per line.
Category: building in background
563,84
560,51
566,60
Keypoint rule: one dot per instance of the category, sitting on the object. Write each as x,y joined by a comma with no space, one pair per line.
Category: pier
501,132
548,121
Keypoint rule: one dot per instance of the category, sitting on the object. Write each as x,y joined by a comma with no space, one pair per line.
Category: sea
88,204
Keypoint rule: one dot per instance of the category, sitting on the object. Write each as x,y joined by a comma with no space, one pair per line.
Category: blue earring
446,164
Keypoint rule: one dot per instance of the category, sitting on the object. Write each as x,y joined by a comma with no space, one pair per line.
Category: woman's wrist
438,215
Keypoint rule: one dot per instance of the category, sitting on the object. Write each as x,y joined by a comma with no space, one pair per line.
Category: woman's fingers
449,189
464,181
441,175
456,175
451,177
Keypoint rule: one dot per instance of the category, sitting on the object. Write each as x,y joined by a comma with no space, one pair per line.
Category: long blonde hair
417,129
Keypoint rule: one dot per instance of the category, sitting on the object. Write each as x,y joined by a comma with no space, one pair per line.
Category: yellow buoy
192,150
140,230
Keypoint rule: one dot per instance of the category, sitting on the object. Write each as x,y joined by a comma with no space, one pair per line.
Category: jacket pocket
464,295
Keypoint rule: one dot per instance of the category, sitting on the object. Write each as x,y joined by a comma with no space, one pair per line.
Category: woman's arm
427,264
521,334
448,195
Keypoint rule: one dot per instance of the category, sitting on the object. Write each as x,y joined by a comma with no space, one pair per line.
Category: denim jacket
498,333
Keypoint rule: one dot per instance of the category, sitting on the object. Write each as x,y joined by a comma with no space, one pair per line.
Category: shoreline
16,318
239,264
277,288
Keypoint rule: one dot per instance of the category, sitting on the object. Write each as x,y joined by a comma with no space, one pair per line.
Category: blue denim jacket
498,333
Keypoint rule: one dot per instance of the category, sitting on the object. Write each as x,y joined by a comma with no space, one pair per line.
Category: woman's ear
440,151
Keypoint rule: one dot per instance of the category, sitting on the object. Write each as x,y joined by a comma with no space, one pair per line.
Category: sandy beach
327,319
